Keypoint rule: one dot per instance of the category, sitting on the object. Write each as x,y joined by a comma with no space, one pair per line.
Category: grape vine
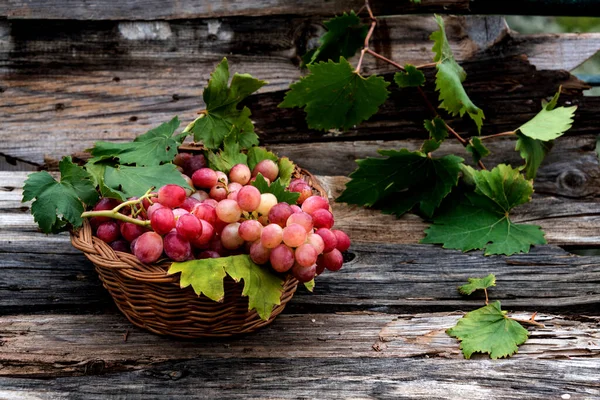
469,208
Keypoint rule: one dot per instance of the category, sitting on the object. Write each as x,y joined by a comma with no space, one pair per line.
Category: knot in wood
94,367
572,179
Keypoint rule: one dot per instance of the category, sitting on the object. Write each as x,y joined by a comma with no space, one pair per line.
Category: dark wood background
74,72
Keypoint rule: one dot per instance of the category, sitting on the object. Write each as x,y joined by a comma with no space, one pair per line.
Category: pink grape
258,253
189,203
120,245
234,186
279,213
248,198
306,255
132,245
294,235
206,235
230,237
304,274
104,204
316,241
329,239
181,158
131,231
332,260
282,258
206,212
148,247
240,173
178,212
343,241
219,225
322,218
108,231
211,202
218,192
296,209
267,201
189,226
267,168
250,230
150,210
271,236
314,203
177,248
190,183
222,178
204,178
304,189
208,254
233,195
162,220
302,219
200,195
228,211
193,164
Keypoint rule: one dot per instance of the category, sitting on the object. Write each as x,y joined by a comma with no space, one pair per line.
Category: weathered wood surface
88,81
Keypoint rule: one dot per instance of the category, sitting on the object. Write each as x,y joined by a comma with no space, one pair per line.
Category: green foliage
533,151
58,203
549,124
156,146
334,96
135,181
286,169
257,154
276,188
450,77
477,149
230,155
436,128
411,77
478,284
489,330
310,285
345,35
222,116
401,181
262,287
480,219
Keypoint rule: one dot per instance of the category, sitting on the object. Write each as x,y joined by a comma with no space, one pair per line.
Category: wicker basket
153,300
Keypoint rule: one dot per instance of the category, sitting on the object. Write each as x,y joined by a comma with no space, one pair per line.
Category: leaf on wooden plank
410,77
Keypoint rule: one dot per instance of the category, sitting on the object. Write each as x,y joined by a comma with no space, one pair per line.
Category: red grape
304,189
189,226
304,274
108,231
267,168
208,254
314,203
250,230
206,212
302,219
178,212
282,258
230,237
294,235
306,255
189,203
218,192
171,196
131,231
279,213
329,239
211,202
271,236
148,247
193,164
343,241
152,208
120,245
296,209
204,178
316,241
104,204
222,178
206,235
181,158
322,218
248,198
258,253
177,248
162,220
332,261
240,173
228,211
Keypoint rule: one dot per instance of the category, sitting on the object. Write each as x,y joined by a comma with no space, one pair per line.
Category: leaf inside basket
206,277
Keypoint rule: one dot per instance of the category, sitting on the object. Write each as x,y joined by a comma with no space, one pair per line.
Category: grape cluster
226,215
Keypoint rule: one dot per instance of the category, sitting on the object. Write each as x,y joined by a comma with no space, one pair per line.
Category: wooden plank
65,345
156,9
92,81
353,378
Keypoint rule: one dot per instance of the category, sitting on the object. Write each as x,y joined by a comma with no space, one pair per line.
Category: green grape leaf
478,284
263,288
436,128
533,151
206,276
276,188
286,169
481,220
225,159
257,154
410,77
154,147
550,123
477,149
58,203
310,285
489,330
401,181
449,79
222,117
96,168
430,145
333,95
135,181
345,35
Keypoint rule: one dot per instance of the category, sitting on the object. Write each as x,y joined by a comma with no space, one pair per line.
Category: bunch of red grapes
226,215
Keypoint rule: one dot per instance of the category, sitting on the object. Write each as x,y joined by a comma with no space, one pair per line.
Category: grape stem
433,110
509,133
115,214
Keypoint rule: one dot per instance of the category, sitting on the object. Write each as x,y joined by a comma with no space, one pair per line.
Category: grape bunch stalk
221,215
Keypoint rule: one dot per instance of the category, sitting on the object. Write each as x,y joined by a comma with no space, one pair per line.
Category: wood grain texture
67,84
73,343
318,378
